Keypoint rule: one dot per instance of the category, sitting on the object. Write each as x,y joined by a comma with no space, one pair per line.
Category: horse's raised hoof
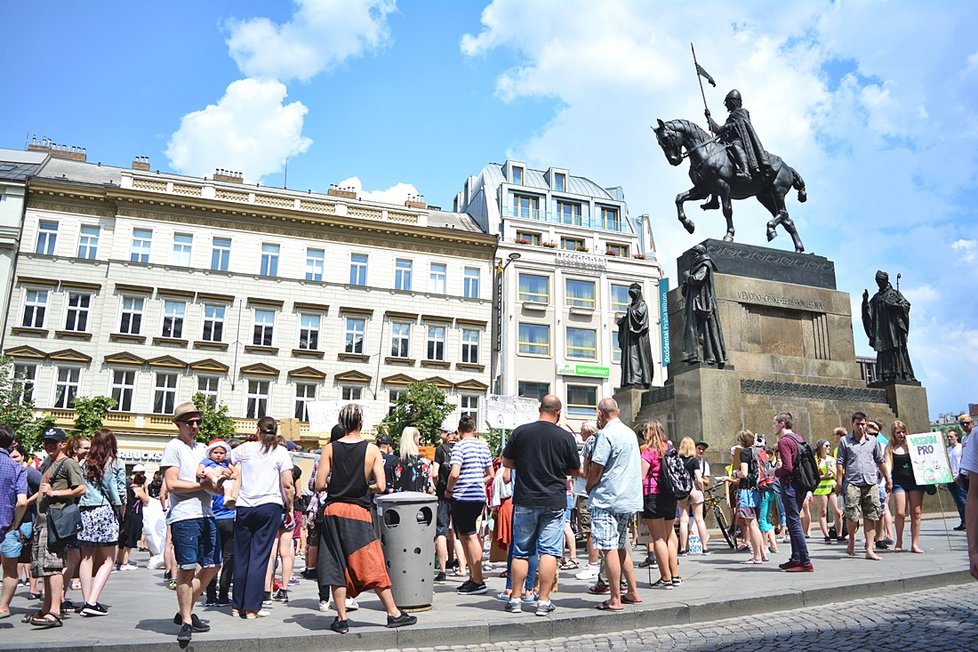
690,227
799,249
802,196
711,205
771,234
728,238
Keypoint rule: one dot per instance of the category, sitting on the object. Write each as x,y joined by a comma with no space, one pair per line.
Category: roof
493,176
19,166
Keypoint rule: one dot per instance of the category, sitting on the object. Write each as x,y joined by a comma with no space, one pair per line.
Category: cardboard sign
929,458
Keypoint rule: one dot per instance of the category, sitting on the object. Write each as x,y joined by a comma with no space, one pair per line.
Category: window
517,175
470,346
66,387
535,289
615,249
47,237
269,259
610,219
257,399
165,395
351,392
25,376
392,396
402,275
132,315
182,245
35,305
580,294
436,342
220,254
569,212
560,182
534,339
437,278
358,269
213,322
582,400
400,339
573,244
355,327
528,389
315,264
468,405
173,312
526,206
309,331
619,298
78,306
582,344
528,237
305,393
210,387
123,384
141,241
264,327
615,348
470,288
88,241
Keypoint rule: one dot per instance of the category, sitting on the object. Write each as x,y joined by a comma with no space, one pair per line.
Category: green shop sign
593,371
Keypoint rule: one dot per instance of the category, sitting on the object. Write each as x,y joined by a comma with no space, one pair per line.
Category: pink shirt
650,483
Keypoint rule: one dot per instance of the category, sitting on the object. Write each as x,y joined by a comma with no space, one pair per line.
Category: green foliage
89,413
17,410
421,405
215,421
495,440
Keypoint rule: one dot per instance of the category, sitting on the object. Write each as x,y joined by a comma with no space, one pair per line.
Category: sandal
45,621
604,606
570,564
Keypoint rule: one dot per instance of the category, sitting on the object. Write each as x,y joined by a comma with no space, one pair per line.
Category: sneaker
590,572
960,528
186,633
662,584
441,578
788,565
683,553
223,602
648,562
402,620
801,568
545,608
706,551
196,623
487,566
327,605
340,626
599,589
293,582
888,541
472,589
172,585
210,602
281,596
94,610
882,545
676,581
514,607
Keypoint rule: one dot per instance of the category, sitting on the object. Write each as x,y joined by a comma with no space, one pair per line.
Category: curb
317,637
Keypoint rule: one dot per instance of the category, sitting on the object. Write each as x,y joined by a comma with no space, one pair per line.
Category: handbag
64,523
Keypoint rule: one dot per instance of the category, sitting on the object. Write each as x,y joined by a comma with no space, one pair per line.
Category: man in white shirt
958,486
194,531
969,465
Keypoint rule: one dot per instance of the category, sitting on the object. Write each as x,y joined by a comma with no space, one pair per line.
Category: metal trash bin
407,536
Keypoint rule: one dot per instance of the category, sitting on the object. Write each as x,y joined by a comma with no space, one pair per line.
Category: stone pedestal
629,402
909,401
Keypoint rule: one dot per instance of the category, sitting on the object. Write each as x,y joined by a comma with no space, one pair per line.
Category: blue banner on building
664,318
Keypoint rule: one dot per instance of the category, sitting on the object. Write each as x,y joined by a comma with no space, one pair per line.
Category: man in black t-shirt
543,455
386,446
443,467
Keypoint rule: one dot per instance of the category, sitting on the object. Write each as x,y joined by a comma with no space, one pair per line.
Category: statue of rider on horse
742,141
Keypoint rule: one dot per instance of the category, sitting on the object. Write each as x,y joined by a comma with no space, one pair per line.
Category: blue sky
873,102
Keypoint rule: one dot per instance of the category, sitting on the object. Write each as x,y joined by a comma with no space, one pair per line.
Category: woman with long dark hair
264,504
907,494
105,482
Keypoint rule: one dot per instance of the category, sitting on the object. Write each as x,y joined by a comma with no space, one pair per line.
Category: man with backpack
792,474
443,467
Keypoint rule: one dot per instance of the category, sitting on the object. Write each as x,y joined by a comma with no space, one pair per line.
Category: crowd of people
236,515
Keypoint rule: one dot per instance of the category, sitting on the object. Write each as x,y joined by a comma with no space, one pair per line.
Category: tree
89,413
17,409
215,423
421,405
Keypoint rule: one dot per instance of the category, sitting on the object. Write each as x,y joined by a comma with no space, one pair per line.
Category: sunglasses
192,422
965,423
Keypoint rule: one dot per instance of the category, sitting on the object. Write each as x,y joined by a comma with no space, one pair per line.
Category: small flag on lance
700,74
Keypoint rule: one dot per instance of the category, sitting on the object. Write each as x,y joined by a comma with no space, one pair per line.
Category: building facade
568,251
150,287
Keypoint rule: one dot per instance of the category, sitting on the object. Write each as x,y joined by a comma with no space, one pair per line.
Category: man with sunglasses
958,487
969,465
192,525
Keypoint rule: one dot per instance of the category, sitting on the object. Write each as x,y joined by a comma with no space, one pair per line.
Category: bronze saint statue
738,133
633,339
702,334
886,319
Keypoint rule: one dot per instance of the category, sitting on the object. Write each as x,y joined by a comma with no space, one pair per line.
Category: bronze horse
714,175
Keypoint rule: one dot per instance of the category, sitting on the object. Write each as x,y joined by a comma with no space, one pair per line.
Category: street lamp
497,359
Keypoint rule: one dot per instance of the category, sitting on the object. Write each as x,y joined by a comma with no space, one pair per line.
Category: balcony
618,225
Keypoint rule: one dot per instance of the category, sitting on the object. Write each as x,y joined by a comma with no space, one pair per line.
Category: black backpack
674,478
806,472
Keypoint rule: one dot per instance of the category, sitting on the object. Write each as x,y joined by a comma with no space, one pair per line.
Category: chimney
345,193
221,174
48,146
415,201
140,163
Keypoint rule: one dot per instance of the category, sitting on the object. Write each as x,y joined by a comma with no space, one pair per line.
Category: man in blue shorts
13,505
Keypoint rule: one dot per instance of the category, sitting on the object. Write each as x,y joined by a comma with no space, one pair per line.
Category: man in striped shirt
471,470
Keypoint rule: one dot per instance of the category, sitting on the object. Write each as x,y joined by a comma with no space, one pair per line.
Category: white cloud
396,194
320,35
968,249
250,130
866,101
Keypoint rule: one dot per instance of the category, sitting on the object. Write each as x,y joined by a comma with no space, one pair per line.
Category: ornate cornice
812,391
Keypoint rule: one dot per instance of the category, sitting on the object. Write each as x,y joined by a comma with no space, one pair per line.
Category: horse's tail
798,184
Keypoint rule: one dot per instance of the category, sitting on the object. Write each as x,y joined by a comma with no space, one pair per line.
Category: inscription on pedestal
769,264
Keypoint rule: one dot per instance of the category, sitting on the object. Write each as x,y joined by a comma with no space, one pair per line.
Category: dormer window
560,182
517,175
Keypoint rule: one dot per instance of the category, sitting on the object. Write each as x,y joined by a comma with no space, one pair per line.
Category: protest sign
929,458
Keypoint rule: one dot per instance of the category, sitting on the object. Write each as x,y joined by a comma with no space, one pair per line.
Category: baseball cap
385,440
184,410
703,444
139,468
54,434
820,443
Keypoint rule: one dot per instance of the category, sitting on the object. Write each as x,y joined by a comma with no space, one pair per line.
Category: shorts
44,562
465,514
657,506
537,529
443,520
569,511
196,542
908,487
15,542
583,516
609,530
313,526
863,502
747,513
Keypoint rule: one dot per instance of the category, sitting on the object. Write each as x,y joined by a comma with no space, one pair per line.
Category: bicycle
713,499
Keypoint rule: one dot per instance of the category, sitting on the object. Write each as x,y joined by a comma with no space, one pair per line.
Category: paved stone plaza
141,608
